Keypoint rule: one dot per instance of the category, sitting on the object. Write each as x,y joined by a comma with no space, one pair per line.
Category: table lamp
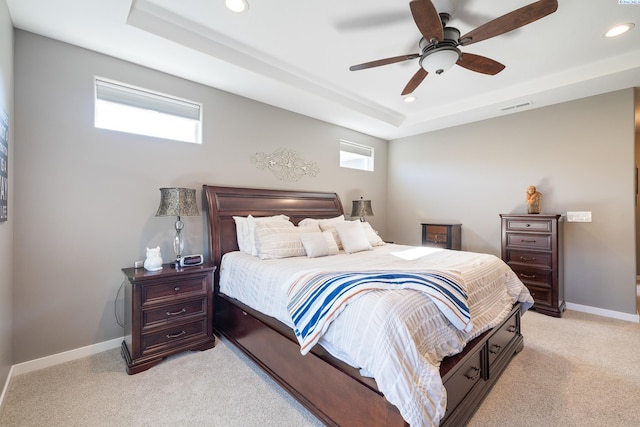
361,208
178,202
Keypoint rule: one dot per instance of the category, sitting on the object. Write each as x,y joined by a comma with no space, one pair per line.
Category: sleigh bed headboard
223,203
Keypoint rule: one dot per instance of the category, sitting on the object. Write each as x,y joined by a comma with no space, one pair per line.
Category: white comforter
399,337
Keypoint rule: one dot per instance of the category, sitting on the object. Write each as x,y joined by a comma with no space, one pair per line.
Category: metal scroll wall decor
285,164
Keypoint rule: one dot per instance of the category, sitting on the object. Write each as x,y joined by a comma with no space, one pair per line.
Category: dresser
166,312
442,234
532,247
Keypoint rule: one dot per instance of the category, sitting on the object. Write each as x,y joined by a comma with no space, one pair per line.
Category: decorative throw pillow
275,239
251,228
319,244
353,237
328,224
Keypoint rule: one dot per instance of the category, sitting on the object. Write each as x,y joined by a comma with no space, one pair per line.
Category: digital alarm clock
191,260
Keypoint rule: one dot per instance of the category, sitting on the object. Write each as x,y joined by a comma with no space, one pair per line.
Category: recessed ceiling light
619,29
237,5
409,99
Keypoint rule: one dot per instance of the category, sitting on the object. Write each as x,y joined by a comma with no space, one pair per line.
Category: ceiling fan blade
480,64
385,61
427,19
512,20
415,81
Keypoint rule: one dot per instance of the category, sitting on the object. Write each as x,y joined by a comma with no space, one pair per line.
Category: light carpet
580,370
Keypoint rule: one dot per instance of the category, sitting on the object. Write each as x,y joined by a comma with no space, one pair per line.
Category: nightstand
166,312
442,234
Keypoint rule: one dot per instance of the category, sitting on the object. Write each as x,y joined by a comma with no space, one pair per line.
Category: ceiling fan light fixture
237,6
440,60
618,30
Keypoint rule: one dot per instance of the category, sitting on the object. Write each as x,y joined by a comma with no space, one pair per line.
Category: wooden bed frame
332,390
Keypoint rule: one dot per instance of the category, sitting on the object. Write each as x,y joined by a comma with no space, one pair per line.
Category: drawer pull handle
495,349
175,313
473,373
512,328
527,259
528,276
527,240
169,336
528,225
176,289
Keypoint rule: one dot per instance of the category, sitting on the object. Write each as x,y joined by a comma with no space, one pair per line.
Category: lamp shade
177,202
361,208
439,61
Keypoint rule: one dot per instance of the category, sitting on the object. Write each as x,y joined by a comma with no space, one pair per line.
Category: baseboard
66,356
603,312
5,389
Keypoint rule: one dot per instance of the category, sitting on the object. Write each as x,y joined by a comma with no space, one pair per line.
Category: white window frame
126,108
356,156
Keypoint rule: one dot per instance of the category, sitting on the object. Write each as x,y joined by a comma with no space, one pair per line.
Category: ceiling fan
439,44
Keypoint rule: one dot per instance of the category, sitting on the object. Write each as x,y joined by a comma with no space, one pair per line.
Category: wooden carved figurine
534,200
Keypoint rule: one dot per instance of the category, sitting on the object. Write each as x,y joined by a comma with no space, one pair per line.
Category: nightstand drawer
533,241
535,225
540,277
436,233
174,336
543,259
178,288
175,312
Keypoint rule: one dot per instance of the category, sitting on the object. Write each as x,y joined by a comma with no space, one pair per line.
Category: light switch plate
579,216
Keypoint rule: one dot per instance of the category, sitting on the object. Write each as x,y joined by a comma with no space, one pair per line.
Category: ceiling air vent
513,107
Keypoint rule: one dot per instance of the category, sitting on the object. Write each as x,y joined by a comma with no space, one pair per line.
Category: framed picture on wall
4,165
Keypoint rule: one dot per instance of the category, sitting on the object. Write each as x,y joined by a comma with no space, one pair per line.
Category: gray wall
88,196
579,154
6,228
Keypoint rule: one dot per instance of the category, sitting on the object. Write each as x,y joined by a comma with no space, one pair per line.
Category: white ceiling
295,54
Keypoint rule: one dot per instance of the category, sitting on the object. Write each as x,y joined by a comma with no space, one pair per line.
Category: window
356,156
124,108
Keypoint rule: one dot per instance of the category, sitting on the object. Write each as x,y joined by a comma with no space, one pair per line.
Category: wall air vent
513,107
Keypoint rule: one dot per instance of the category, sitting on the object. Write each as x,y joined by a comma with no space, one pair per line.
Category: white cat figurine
154,259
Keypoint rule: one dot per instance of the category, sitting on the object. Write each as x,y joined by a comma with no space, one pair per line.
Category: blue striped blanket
316,298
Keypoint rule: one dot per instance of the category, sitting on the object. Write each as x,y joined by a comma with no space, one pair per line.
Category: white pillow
353,237
374,238
326,224
275,239
242,234
319,244
251,229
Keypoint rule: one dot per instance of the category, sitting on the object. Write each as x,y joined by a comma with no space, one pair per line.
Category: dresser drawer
522,225
533,241
502,337
543,259
540,277
175,312
464,379
169,290
175,336
541,296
